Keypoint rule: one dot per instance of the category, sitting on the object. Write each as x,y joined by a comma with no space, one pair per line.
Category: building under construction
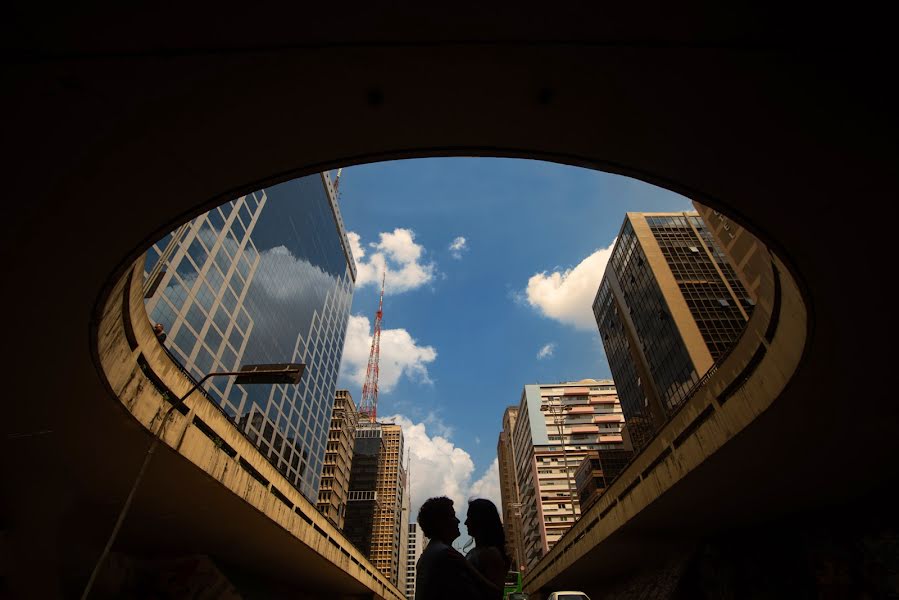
390,520
363,502
375,519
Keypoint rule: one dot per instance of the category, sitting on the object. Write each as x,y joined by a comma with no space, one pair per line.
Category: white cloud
546,351
399,254
440,468
488,485
459,245
567,296
400,355
438,426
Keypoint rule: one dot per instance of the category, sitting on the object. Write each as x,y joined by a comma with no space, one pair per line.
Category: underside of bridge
122,122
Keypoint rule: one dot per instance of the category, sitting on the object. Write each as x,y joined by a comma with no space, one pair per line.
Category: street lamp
558,413
518,541
288,373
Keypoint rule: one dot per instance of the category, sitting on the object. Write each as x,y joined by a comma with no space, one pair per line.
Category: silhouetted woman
489,557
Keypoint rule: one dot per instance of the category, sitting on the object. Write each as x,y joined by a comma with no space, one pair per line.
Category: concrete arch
114,138
213,478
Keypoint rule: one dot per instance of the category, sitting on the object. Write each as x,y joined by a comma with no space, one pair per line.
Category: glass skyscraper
265,278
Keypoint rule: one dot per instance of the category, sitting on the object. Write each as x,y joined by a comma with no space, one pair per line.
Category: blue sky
466,323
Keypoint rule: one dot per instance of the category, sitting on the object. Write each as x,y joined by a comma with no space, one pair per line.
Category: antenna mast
368,406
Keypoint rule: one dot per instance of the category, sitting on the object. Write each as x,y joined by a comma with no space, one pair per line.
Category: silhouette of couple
442,572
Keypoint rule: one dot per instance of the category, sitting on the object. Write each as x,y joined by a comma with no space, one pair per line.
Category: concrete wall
119,357
734,394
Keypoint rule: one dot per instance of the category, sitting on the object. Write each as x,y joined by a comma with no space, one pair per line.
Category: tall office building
669,306
265,278
363,501
511,503
557,426
596,472
375,517
389,519
335,481
749,257
414,547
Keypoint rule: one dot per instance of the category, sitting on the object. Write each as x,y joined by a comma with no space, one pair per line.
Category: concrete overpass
225,499
718,460
121,124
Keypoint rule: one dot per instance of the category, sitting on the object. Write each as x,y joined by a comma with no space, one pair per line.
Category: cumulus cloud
436,425
567,296
396,252
546,351
459,245
400,355
440,468
488,485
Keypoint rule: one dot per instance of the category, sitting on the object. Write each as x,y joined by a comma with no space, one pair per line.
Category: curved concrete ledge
316,558
118,134
740,387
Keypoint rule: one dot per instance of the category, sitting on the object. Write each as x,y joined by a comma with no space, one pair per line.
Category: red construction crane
368,406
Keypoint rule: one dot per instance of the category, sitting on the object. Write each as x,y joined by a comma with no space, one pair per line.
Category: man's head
438,521
158,328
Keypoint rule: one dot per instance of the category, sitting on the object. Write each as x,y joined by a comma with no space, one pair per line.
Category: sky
492,266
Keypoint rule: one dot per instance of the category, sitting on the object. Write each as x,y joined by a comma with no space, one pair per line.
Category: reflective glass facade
660,342
670,260
363,502
266,278
617,343
708,283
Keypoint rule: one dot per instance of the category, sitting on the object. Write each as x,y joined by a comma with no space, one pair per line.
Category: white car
568,596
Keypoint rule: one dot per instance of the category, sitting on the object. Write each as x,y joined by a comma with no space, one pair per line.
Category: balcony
584,429
603,399
612,418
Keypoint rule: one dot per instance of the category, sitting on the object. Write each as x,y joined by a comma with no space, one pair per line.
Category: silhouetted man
441,573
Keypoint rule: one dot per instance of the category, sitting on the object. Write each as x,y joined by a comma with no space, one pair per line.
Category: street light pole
249,374
519,541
